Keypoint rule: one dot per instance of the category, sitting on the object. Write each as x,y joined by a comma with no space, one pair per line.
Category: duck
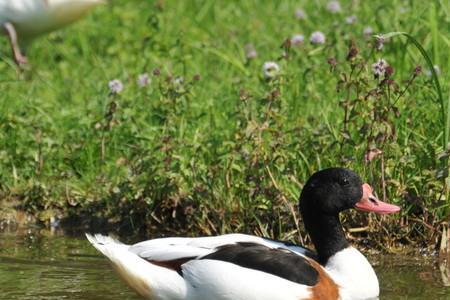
245,267
24,20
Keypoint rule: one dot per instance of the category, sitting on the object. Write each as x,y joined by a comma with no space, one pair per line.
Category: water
43,266
39,265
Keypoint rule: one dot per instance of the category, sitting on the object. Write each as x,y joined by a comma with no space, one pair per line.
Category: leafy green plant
205,137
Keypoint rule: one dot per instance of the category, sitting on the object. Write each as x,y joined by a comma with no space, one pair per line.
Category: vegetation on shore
220,110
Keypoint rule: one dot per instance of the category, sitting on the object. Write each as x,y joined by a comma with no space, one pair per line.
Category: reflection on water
37,265
40,266
406,277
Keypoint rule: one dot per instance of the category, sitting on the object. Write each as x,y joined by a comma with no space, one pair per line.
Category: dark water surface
40,265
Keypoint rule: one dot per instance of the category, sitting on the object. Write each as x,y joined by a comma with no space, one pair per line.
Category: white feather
219,280
354,274
169,252
173,248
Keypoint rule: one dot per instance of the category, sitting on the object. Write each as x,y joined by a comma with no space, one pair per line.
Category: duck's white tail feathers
106,244
149,280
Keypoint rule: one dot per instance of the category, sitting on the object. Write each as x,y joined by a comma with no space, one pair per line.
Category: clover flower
317,37
334,7
297,39
270,69
300,14
115,86
143,80
379,68
351,19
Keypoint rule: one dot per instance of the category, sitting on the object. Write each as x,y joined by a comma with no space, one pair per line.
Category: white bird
245,267
24,20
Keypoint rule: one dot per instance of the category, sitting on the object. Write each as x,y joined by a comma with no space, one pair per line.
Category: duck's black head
324,196
331,191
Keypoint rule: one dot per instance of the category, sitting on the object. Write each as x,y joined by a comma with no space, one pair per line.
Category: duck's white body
204,279
27,19
244,267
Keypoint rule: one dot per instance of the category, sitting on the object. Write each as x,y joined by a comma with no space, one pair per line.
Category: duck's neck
326,234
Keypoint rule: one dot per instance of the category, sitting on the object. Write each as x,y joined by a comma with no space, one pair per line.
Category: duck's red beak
369,202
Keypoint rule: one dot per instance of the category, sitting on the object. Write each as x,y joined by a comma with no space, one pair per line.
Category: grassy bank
209,143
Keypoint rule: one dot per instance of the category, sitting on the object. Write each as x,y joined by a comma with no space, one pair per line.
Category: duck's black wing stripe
279,262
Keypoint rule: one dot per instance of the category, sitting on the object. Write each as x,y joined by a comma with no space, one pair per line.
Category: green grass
231,151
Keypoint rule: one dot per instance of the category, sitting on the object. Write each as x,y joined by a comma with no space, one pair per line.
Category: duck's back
229,267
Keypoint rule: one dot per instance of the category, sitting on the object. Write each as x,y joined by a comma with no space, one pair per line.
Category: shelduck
246,267
24,20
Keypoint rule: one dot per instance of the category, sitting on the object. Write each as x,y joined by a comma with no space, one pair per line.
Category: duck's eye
344,181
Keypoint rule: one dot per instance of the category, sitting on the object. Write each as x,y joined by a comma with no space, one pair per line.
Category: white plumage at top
24,20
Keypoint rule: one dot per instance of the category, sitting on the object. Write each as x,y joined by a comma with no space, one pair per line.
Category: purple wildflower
143,80
317,37
115,86
297,39
351,19
379,68
334,7
300,14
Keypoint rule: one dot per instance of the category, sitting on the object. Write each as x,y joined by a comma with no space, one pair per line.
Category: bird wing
175,248
233,267
278,258
228,267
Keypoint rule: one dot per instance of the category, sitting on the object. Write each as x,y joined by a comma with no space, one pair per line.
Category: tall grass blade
445,115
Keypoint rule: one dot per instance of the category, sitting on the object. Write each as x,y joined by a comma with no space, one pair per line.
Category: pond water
40,265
